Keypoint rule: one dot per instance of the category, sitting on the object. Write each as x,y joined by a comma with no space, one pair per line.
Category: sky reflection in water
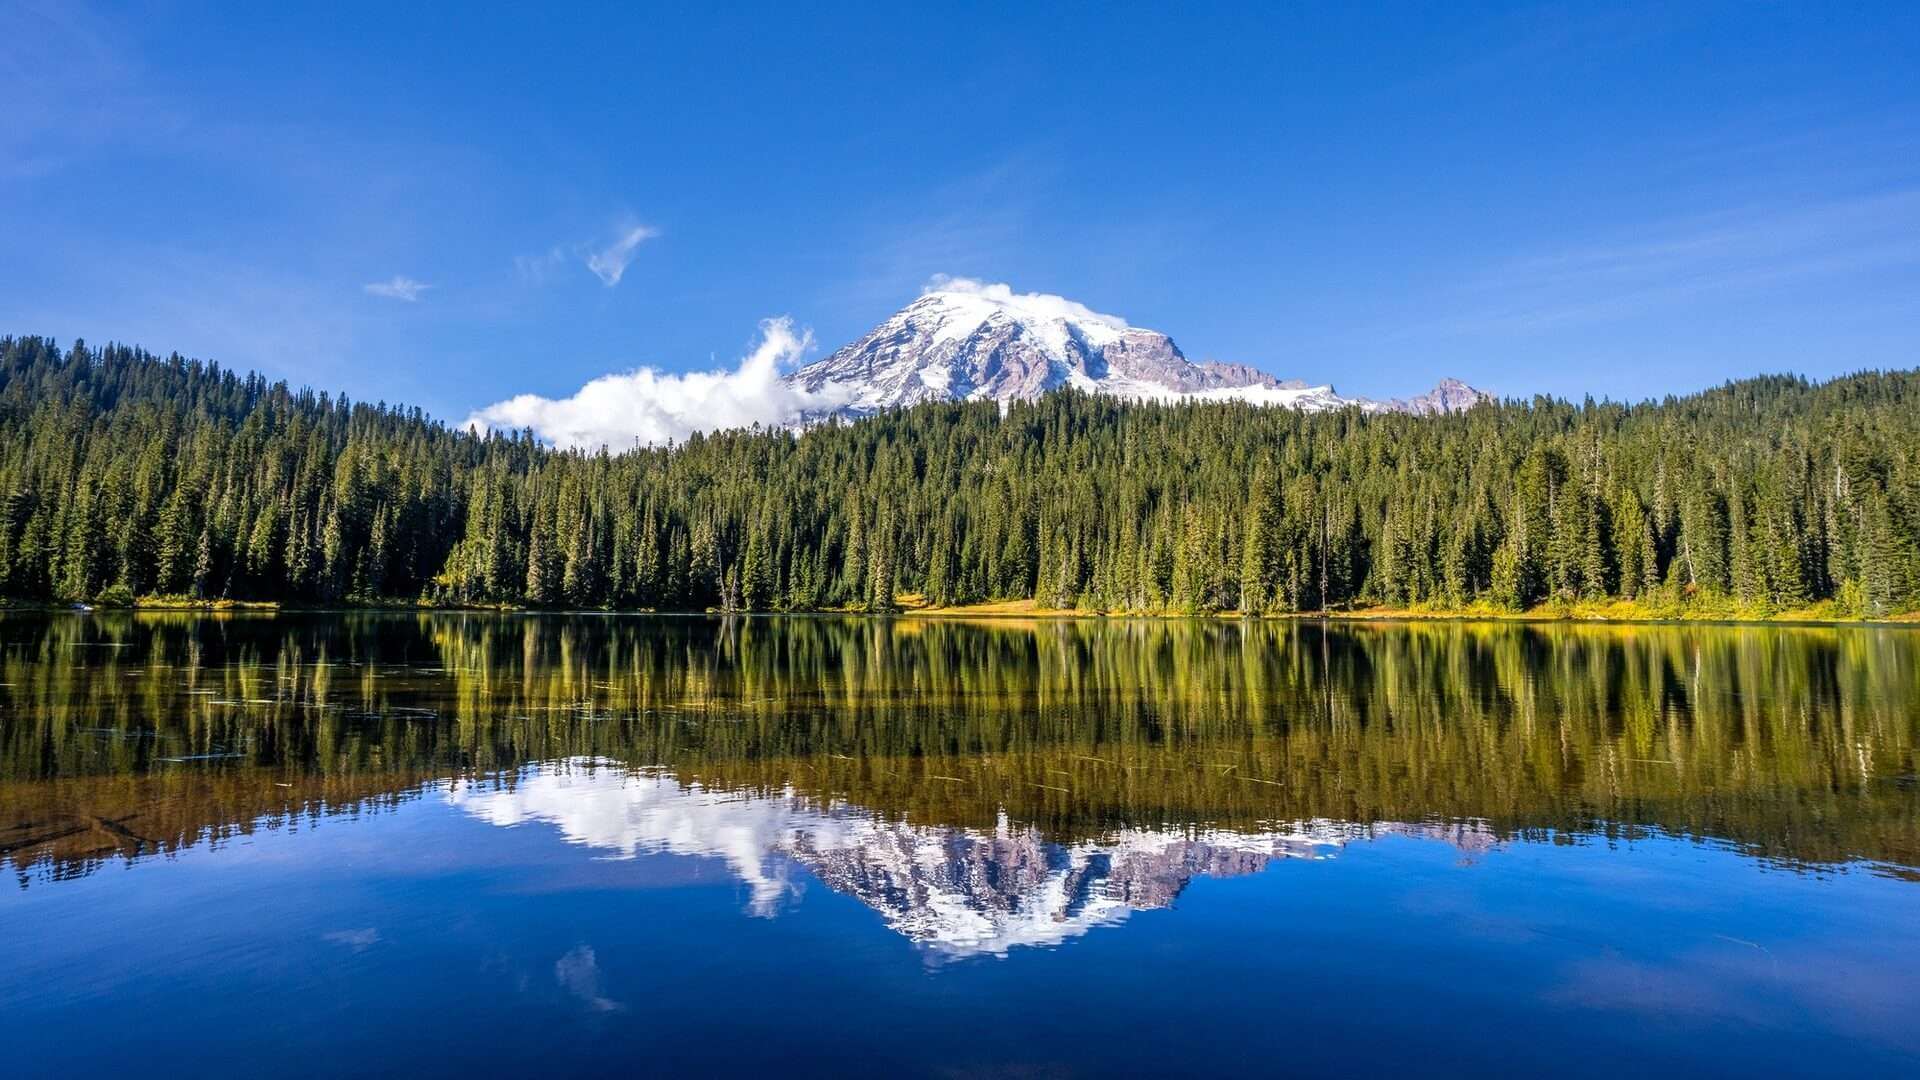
450,844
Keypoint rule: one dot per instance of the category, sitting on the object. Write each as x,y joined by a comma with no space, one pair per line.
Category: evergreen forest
127,475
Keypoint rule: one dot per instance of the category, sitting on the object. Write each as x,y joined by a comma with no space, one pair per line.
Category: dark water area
434,844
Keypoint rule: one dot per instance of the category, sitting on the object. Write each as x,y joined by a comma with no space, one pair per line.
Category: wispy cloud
399,287
648,407
607,260
537,268
610,263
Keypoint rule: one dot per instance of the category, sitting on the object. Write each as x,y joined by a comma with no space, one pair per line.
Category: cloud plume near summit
647,407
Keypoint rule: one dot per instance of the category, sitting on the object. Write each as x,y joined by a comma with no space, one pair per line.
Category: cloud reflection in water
956,892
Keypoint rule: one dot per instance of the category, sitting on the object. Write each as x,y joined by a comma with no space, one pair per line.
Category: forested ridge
124,474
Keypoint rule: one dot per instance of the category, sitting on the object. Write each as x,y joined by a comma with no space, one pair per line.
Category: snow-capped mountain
967,341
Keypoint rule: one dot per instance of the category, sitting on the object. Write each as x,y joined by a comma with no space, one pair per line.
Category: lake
440,843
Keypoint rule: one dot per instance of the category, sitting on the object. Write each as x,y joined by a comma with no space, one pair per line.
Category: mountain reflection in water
979,784
955,891
435,844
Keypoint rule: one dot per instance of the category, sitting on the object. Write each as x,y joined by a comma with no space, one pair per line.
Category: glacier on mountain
965,340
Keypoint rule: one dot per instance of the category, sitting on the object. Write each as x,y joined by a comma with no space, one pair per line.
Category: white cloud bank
610,263
648,407
399,287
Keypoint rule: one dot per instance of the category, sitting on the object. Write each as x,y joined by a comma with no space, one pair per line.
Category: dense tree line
125,474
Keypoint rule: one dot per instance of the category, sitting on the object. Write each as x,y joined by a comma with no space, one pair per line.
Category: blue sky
1625,200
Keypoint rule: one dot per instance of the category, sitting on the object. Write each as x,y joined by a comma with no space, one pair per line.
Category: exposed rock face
1150,879
1448,396
954,345
970,342
1248,375
961,893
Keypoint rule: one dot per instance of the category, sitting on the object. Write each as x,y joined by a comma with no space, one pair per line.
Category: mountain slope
965,341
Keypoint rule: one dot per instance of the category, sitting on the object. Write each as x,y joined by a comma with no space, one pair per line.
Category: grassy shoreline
1623,612
1613,611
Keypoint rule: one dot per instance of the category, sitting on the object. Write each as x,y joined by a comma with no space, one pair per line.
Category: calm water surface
313,845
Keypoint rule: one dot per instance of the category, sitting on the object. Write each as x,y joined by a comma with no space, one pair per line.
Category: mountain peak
966,299
1449,395
967,340
964,340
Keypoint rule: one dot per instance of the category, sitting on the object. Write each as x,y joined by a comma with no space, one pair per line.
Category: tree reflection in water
1061,771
